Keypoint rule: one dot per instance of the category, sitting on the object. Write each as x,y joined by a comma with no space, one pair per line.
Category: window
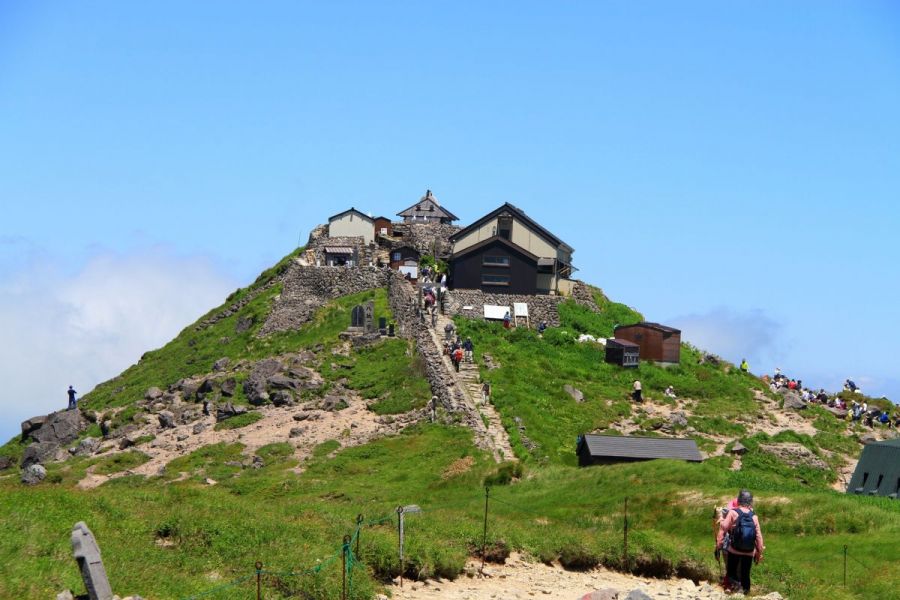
384,231
495,261
396,257
494,279
505,224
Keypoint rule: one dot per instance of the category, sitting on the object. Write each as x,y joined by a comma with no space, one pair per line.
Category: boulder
301,416
793,401
255,391
207,387
228,386
576,394
283,398
105,428
243,324
637,595
6,462
42,452
187,387
166,419
153,394
200,428
221,364
868,438
678,418
60,427
228,410
283,382
86,447
32,424
297,431
33,474
66,595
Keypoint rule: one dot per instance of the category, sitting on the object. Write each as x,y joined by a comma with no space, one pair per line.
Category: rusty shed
658,343
383,227
622,353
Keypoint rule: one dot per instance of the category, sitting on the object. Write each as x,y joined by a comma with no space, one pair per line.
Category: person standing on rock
745,544
73,402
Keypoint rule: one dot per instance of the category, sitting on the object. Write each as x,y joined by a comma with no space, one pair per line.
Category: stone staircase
468,381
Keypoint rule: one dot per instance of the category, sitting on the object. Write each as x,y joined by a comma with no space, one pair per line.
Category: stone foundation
540,307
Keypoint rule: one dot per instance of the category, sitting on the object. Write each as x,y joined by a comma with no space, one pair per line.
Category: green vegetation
116,463
202,536
238,421
391,372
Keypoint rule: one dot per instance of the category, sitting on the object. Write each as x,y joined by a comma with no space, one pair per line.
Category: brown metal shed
622,353
383,226
659,343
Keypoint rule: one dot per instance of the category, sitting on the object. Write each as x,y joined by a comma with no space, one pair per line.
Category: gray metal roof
620,446
338,250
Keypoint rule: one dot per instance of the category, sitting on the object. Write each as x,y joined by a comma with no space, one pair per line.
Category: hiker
744,366
485,393
468,348
636,391
670,392
850,386
448,331
73,402
506,319
457,357
433,408
745,545
542,327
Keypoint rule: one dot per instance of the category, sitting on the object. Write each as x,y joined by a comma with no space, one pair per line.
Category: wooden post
625,559
359,520
845,565
487,493
258,581
400,541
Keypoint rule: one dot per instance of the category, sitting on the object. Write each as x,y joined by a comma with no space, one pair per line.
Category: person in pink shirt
744,544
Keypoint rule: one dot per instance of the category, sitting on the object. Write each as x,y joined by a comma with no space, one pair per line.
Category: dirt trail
521,580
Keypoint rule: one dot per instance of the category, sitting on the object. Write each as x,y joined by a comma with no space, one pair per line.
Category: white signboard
492,311
521,309
413,272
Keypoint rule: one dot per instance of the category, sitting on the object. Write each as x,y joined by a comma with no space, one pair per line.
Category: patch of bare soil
520,579
352,426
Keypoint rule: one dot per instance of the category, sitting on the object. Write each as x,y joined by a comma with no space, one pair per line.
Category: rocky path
519,579
468,380
303,429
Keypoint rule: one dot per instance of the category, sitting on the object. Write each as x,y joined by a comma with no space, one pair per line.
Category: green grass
122,461
238,421
390,372
201,535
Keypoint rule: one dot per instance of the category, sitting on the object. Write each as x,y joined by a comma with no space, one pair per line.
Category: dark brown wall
466,271
379,223
405,255
655,345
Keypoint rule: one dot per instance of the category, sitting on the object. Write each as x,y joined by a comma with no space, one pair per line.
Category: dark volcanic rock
42,452
228,387
60,427
283,398
166,419
221,364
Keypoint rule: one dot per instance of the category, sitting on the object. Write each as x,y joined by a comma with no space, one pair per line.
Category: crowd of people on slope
855,411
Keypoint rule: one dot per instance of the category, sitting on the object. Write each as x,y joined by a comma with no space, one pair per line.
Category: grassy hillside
174,537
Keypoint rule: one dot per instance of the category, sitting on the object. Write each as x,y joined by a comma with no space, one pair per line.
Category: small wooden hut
622,353
658,343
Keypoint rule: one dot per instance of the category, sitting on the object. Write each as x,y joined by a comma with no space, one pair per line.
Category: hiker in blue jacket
73,402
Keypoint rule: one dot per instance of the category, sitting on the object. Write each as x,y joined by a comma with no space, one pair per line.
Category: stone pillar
87,554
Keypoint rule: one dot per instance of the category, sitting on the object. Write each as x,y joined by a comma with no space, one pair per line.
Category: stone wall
582,294
307,288
540,307
427,238
411,324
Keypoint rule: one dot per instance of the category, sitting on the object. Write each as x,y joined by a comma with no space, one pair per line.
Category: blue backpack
743,535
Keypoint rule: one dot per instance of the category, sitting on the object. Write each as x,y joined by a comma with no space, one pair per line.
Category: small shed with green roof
878,470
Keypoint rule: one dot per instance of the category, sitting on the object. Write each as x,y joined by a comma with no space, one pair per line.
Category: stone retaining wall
540,307
411,324
307,288
427,238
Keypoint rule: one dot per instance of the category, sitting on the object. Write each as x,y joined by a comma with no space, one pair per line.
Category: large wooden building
507,252
658,343
427,210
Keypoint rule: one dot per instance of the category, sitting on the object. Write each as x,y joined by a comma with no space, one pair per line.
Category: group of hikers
870,416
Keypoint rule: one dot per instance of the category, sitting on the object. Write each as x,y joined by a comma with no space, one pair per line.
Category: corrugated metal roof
338,250
620,446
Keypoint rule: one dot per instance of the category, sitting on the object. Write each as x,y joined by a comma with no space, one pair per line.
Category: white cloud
85,327
734,335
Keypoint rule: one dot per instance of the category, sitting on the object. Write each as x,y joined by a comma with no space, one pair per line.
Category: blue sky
732,168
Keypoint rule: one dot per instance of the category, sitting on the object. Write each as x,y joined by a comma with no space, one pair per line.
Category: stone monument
87,553
370,316
357,318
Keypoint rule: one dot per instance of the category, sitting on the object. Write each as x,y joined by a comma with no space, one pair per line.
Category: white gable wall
352,225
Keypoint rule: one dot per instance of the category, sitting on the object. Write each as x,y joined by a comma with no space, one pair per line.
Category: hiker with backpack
744,544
